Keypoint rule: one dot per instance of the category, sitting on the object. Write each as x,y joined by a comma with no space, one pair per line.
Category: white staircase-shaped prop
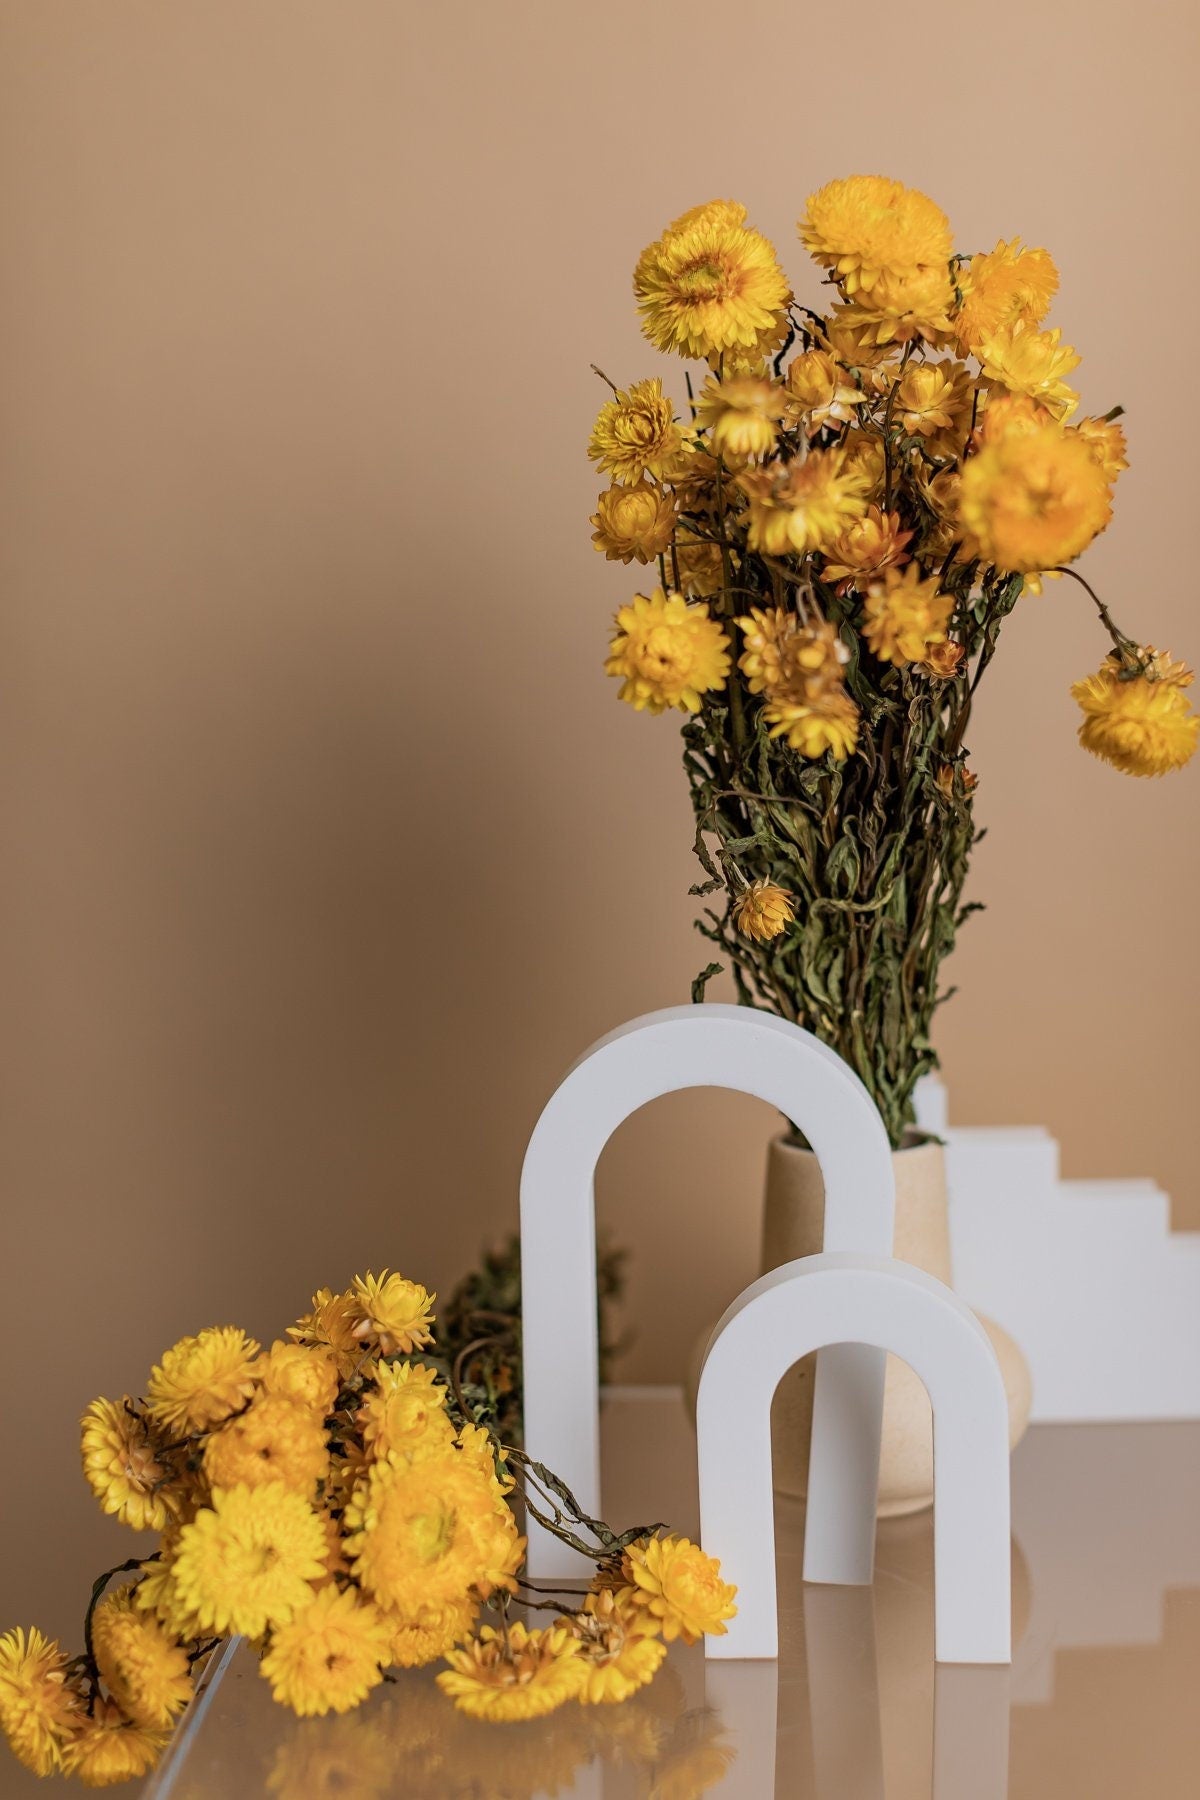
1087,1276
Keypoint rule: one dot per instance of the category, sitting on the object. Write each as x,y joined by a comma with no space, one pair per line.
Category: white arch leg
837,1297
683,1047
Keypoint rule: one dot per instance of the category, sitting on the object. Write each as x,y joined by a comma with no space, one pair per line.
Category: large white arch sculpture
685,1047
805,1306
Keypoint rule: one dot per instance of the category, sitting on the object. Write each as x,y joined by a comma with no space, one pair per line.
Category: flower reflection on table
408,1741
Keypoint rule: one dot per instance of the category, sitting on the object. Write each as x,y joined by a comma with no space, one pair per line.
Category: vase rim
926,1140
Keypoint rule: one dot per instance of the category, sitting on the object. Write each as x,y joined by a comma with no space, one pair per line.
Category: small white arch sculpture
828,1299
663,1052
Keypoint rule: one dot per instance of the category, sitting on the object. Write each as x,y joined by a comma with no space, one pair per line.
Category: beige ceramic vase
793,1225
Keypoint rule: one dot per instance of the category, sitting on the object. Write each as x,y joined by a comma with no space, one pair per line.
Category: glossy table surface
1102,1700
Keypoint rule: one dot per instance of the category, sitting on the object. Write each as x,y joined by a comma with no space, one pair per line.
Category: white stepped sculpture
1086,1276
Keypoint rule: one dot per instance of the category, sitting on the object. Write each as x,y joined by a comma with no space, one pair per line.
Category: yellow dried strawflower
620,1646
1033,499
864,459
330,1326
680,1586
520,1674
307,1374
900,308
274,1440
1028,361
405,1410
329,1655
143,1668
420,1532
429,1632
802,505
710,284
247,1561
866,547
866,227
635,433
40,1708
904,615
124,1464
1106,441
1142,724
741,414
697,563
823,720
392,1315
667,653
763,911
933,400
633,524
819,391
201,1380
109,1748
1004,285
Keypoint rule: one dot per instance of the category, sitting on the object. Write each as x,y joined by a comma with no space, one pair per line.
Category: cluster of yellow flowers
333,1500
881,499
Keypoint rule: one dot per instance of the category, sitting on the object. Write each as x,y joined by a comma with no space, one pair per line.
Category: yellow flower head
143,1668
633,524
854,345
741,413
109,1748
866,547
307,1374
621,1649
274,1440
39,1706
667,653
247,1561
819,391
901,307
680,1586
635,433
904,616
763,911
405,1410
865,227
933,400
698,562
802,505
709,285
430,1632
1006,415
1106,441
393,1315
818,722
329,1655
330,1326
421,1532
523,1678
201,1380
1033,499
1005,285
1140,723
863,459
799,669
1027,361
124,1465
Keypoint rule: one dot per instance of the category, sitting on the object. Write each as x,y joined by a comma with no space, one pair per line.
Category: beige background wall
326,842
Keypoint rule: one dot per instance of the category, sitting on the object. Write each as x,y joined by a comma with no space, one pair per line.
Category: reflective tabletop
1102,1699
